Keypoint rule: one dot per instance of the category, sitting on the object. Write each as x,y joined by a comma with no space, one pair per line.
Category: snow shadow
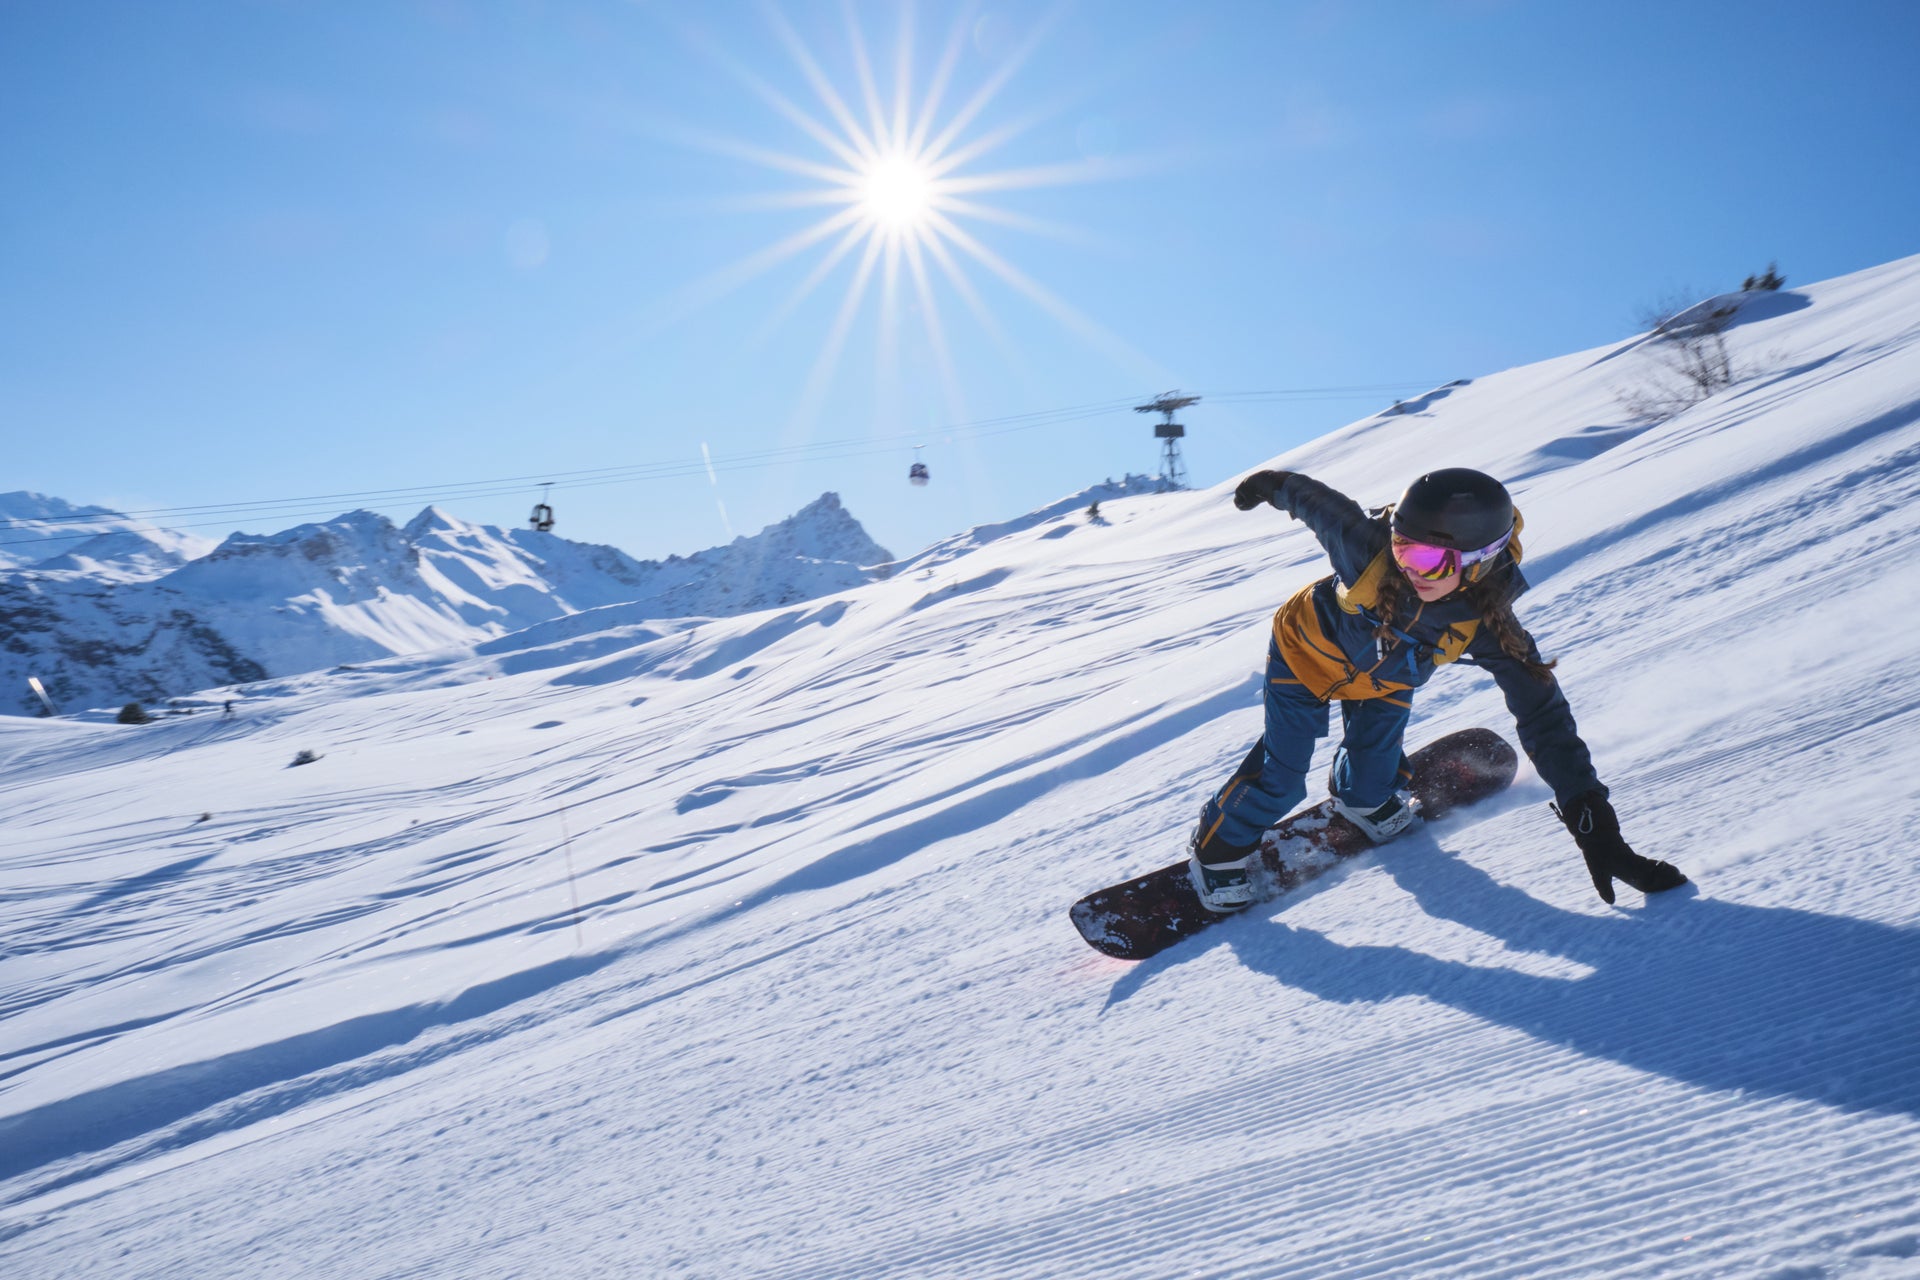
282,1074
1717,995
1540,568
142,882
738,649
646,658
1012,787
1583,445
979,582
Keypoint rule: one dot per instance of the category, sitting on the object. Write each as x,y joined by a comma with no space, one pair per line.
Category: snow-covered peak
127,555
25,505
57,536
358,553
821,530
317,539
435,519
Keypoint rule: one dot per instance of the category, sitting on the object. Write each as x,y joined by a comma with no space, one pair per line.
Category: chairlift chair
542,518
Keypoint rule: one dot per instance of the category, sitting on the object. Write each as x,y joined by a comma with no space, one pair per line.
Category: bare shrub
1684,359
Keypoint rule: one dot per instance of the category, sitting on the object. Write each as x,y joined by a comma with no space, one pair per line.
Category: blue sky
262,251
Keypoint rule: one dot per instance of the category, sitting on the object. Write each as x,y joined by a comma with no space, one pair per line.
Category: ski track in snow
739,949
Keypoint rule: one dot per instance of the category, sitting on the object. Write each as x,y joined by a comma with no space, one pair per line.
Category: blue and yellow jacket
1325,634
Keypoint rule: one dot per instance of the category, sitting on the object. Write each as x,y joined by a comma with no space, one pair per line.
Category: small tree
1687,349
1768,282
1093,512
134,713
305,757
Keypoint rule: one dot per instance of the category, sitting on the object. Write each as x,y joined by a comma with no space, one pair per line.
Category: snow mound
960,544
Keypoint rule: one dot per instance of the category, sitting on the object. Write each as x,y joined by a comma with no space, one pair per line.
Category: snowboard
1147,914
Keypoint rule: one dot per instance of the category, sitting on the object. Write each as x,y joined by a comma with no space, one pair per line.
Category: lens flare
899,179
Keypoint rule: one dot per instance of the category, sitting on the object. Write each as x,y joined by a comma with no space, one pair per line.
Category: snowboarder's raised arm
1351,537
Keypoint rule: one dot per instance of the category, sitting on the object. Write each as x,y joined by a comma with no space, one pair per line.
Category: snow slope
739,947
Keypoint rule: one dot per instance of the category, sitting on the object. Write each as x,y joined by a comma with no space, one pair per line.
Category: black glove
1596,829
1259,488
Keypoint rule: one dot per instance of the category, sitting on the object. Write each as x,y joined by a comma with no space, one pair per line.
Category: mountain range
136,612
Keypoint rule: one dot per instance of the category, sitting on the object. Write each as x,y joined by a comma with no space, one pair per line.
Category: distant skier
1427,581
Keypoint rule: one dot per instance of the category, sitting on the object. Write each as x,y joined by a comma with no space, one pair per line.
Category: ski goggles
1426,561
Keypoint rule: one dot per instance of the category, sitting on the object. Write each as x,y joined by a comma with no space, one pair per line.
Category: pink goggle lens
1425,561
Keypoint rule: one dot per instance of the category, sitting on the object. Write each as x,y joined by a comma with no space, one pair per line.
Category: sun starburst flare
900,183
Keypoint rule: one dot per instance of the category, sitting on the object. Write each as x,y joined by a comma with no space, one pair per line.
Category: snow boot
1221,877
1380,824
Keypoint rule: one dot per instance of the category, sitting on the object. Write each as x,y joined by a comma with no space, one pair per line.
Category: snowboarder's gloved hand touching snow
1258,489
1596,829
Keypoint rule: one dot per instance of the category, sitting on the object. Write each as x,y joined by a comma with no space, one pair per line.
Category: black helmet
1455,507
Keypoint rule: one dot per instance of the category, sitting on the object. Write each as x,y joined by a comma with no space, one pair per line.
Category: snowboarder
1427,581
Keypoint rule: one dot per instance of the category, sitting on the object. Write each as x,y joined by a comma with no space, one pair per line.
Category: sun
897,175
898,193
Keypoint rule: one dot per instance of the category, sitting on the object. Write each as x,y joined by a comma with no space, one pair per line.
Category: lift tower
1173,472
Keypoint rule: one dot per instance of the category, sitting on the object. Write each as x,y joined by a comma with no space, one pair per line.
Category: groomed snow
739,948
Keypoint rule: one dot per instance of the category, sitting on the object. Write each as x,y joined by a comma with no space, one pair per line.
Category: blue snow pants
1368,767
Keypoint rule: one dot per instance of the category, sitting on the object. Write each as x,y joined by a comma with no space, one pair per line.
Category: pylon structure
1173,471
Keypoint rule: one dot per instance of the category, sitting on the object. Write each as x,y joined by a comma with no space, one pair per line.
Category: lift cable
296,508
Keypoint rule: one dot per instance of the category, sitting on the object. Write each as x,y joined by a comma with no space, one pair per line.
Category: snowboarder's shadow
1769,1000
